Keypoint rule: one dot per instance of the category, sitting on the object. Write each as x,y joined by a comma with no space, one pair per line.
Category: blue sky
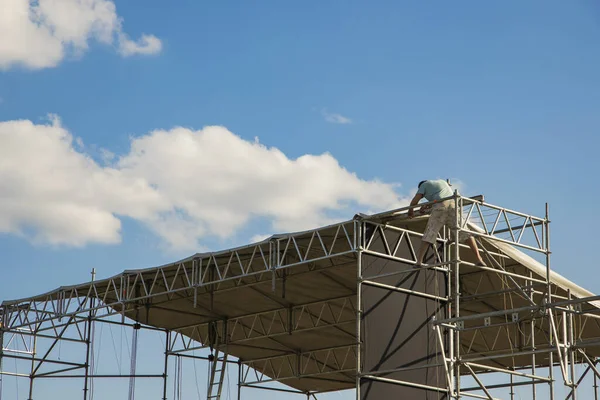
502,97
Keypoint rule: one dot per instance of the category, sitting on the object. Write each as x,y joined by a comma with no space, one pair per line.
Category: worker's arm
414,202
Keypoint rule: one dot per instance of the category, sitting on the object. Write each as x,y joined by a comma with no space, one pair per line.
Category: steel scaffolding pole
512,387
239,384
533,348
450,338
358,239
88,340
88,343
166,366
549,300
571,349
595,387
31,374
456,256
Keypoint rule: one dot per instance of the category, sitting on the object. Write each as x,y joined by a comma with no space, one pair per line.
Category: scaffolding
293,309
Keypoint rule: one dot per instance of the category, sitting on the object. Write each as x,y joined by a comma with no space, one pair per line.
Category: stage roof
289,302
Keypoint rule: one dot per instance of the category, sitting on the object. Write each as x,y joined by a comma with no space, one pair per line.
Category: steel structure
291,309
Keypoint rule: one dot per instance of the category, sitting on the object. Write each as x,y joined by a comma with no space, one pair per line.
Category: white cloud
41,33
336,118
107,156
184,185
147,44
54,194
259,237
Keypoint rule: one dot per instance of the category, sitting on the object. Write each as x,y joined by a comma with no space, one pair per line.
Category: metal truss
338,360
504,225
268,324
204,273
389,241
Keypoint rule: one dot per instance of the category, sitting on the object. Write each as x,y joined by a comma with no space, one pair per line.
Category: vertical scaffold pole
549,300
532,332
571,340
595,386
512,387
88,344
31,376
239,385
450,337
166,369
457,229
88,339
359,246
547,229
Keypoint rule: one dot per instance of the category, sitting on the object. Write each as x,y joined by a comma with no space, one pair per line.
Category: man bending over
442,213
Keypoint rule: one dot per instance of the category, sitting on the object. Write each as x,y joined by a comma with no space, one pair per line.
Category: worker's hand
411,213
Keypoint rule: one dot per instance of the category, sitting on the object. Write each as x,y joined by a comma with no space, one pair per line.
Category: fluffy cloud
55,194
40,33
182,184
147,44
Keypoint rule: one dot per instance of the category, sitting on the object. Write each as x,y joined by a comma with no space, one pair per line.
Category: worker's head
420,183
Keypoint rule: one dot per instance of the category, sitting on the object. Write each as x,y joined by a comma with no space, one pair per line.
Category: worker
442,213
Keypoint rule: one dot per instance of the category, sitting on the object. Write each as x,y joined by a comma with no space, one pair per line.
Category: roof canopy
287,306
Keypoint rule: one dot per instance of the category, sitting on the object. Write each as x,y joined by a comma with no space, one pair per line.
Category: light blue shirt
435,190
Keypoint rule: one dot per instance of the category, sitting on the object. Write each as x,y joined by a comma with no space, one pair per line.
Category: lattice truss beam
504,225
339,360
395,243
191,277
288,363
268,324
